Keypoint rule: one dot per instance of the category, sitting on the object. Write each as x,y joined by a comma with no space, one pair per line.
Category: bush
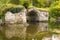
54,11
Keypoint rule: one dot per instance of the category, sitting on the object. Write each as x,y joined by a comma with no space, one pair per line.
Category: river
34,31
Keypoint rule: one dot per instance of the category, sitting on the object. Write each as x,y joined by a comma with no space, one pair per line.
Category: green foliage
14,10
42,3
17,2
4,1
54,11
54,14
26,5
54,4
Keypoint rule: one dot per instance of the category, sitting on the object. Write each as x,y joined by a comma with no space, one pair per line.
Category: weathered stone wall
43,15
9,17
16,17
40,15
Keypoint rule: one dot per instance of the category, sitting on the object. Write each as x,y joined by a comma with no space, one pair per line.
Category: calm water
34,31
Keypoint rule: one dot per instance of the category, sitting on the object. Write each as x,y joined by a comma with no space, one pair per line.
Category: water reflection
14,31
54,25
34,31
37,27
34,28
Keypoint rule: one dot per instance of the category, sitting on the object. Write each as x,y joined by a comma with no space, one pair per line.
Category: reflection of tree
54,25
43,27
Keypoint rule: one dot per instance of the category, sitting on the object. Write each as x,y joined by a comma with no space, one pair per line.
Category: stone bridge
32,15
35,15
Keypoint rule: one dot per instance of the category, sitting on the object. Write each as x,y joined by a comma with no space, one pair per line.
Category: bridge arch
32,15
